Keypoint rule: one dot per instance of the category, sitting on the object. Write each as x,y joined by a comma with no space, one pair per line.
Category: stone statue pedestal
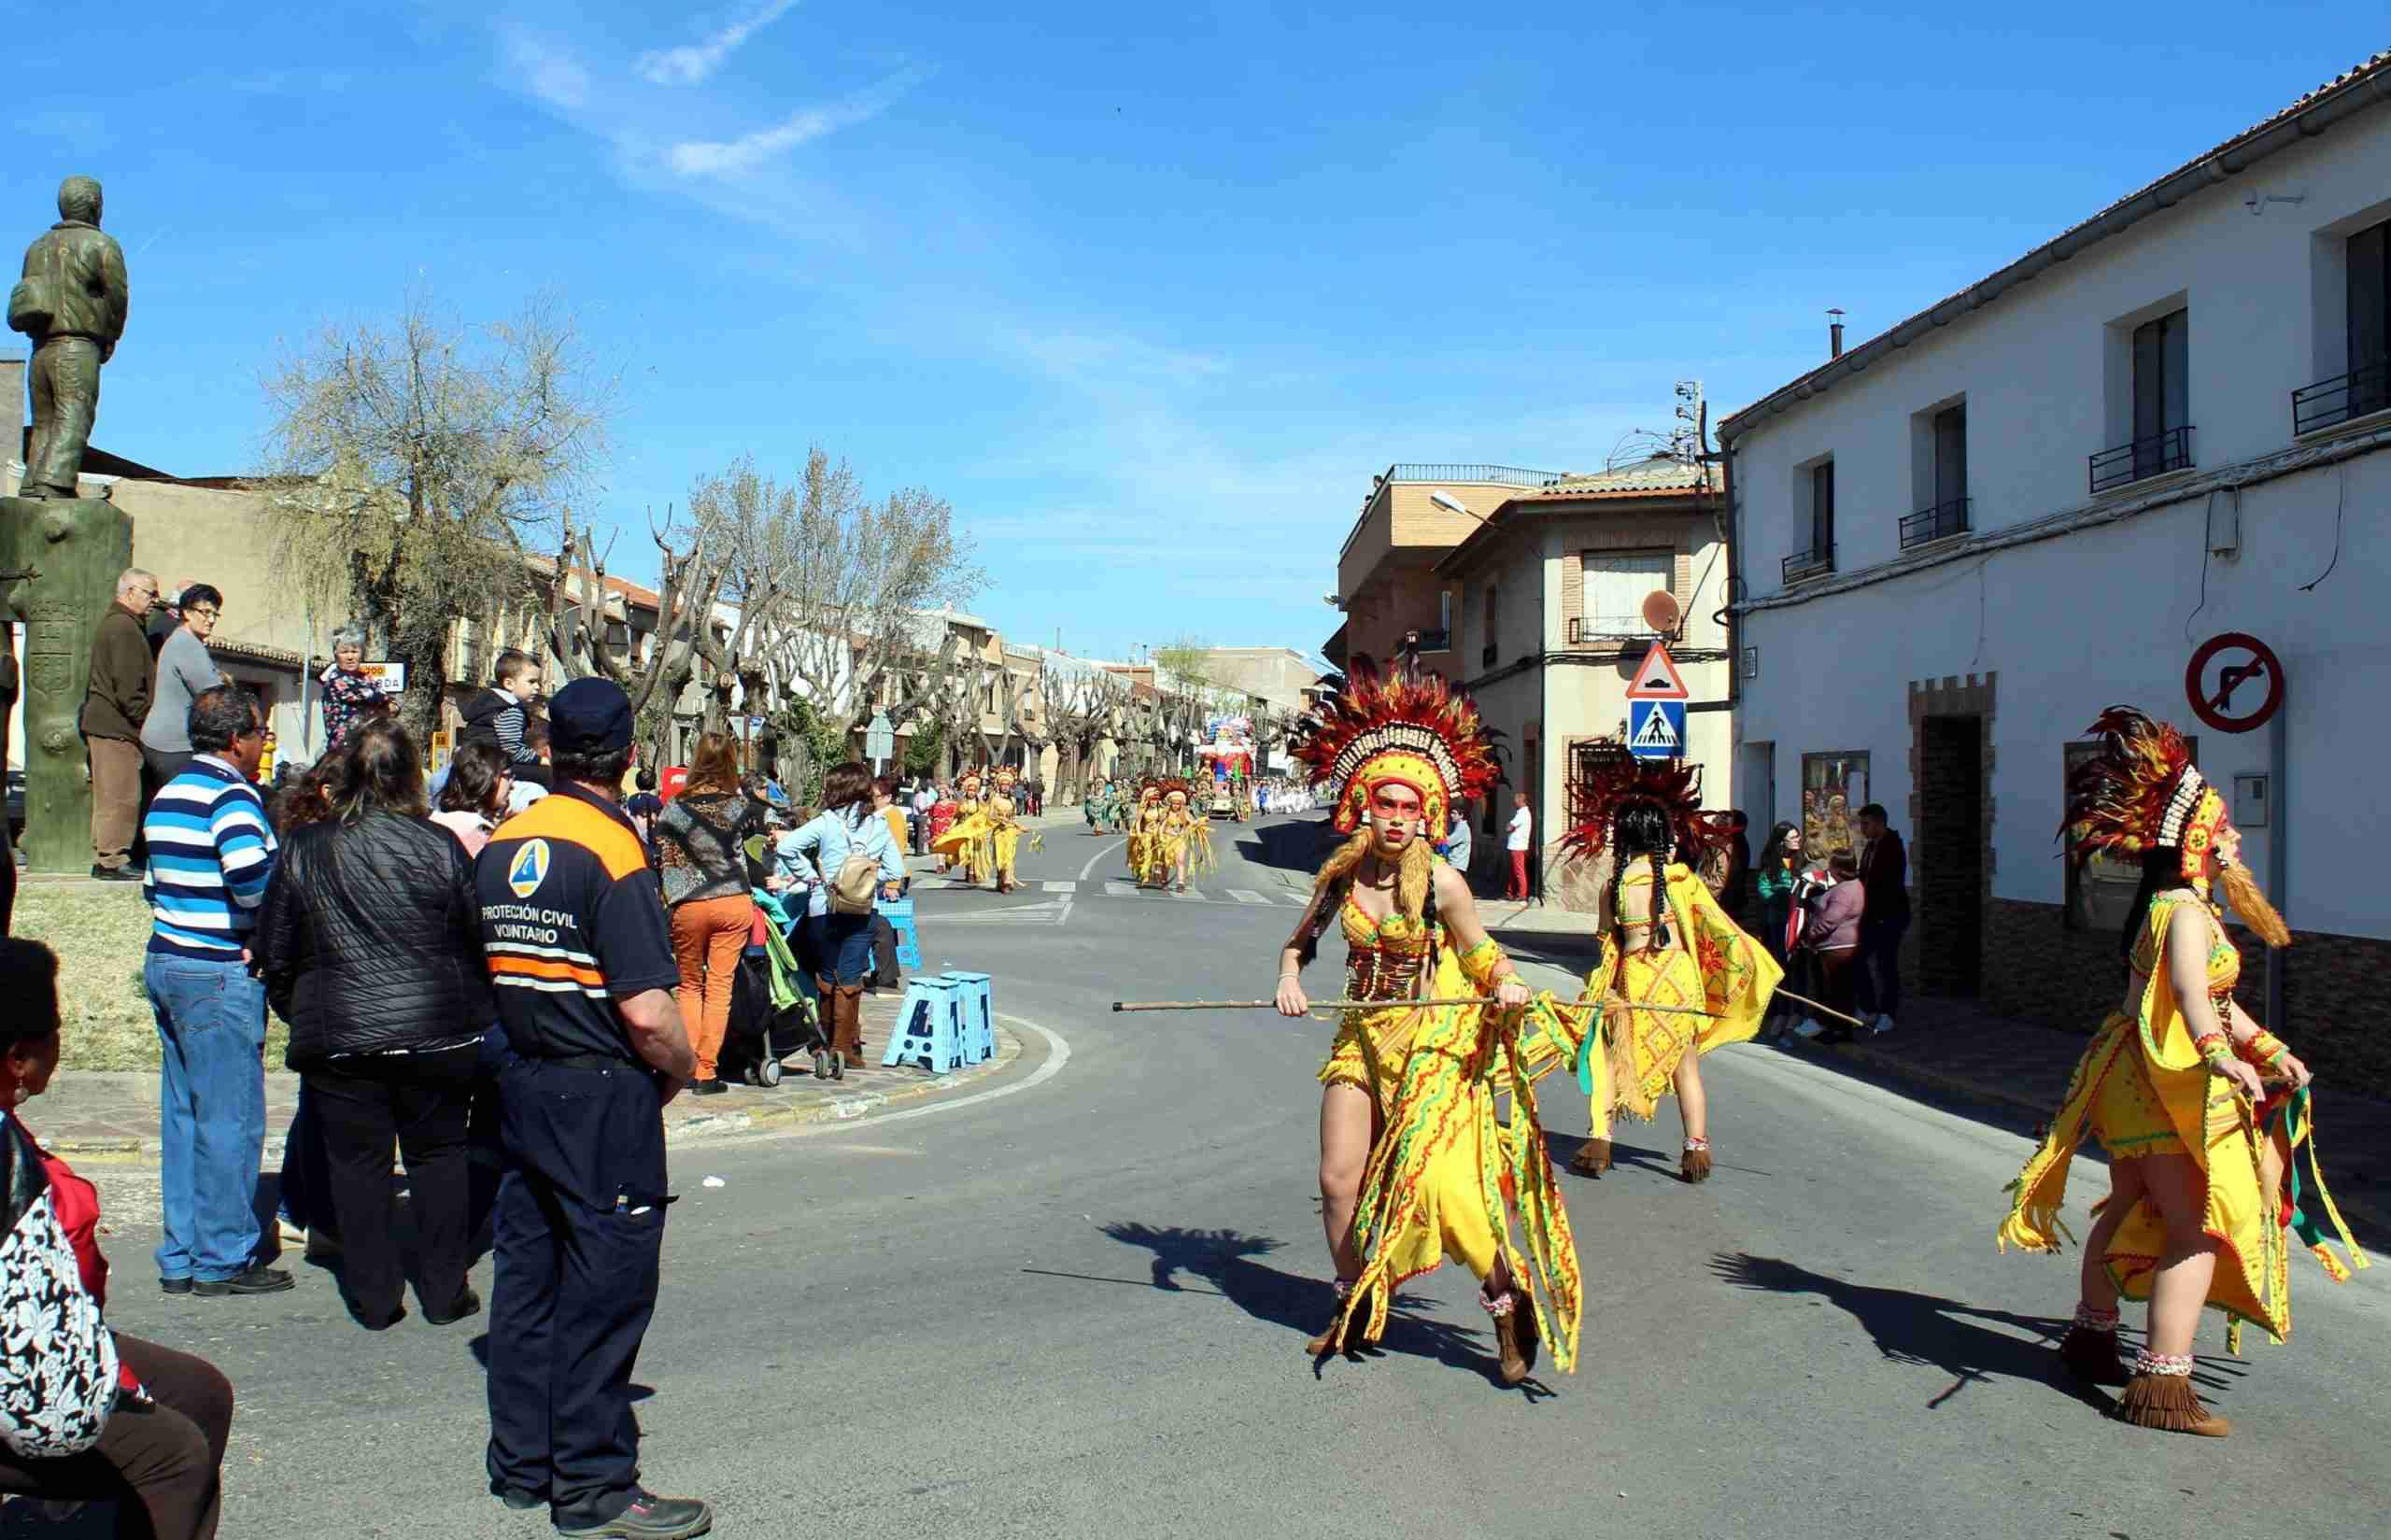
74,548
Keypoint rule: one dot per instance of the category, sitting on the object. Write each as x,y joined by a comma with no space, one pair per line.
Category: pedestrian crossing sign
1656,729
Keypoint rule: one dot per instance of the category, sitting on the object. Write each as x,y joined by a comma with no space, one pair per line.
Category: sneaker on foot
1808,1028
257,1281
647,1518
468,1303
1883,1023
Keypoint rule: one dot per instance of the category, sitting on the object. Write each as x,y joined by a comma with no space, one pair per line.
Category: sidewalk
1955,1048
112,1116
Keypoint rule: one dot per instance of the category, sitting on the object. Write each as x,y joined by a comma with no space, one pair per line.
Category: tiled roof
1660,478
2375,72
1660,473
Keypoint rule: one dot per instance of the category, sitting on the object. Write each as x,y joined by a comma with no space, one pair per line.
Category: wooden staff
1823,1010
1384,1005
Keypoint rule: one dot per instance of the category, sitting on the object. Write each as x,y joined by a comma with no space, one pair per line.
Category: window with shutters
1616,585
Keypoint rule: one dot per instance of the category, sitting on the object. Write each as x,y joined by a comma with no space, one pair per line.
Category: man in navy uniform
579,949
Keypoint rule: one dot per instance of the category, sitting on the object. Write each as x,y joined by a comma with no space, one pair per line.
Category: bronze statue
71,302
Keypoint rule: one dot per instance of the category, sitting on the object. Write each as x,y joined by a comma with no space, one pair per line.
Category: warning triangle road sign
1657,678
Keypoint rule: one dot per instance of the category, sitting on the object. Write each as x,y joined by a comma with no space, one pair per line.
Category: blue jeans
842,946
211,1113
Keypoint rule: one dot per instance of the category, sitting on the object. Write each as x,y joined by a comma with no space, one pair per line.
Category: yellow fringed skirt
1452,1219
2127,1117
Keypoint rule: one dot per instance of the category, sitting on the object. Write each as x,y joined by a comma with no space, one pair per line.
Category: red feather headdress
1663,783
2140,793
1416,730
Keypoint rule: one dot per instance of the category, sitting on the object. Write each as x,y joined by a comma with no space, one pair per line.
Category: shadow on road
1927,1330
1224,1259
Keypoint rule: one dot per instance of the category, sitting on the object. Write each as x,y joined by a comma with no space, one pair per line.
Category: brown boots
848,1018
1696,1165
1332,1338
1592,1158
2161,1396
1515,1333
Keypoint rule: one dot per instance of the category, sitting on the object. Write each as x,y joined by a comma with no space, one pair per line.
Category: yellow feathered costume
2141,1089
1630,1062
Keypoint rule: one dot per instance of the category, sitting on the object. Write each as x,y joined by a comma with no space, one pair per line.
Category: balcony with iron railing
1481,475
2151,456
2330,403
1807,564
1940,522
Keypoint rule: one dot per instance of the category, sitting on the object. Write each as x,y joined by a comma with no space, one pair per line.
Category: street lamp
1450,503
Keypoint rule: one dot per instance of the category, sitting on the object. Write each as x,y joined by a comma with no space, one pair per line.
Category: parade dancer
1414,1164
1145,835
962,845
1002,841
1665,942
2175,1087
943,816
1187,836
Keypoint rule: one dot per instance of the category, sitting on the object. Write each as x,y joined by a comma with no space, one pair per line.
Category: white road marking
1100,854
1012,914
1243,896
1120,890
1060,887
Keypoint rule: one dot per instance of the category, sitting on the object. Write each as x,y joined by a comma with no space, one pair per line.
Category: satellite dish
1662,612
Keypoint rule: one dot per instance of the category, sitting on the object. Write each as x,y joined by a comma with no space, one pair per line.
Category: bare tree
692,561
757,522
844,620
1085,705
411,463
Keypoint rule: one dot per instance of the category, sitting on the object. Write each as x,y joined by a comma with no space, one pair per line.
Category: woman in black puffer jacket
369,944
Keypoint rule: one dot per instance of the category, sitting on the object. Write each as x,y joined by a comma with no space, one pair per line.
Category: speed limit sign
2234,669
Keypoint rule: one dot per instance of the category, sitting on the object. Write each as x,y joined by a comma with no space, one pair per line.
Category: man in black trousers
581,960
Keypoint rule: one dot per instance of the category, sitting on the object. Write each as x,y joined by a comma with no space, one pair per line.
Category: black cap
590,717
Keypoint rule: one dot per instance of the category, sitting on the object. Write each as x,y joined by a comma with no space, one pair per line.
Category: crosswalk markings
1060,887
1245,897
1119,890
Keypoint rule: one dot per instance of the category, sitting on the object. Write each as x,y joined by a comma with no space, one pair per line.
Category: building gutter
2090,515
2290,130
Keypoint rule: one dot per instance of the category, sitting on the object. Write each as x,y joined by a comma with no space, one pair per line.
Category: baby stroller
769,1017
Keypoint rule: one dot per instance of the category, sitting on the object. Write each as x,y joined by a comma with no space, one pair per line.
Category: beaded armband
2215,1048
1486,964
2266,1049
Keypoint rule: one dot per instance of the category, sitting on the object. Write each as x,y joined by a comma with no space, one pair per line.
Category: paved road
1079,1311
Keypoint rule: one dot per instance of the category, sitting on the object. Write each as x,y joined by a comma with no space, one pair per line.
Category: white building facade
1961,540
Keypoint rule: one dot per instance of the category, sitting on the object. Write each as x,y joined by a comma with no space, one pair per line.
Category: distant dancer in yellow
986,835
1146,865
1186,838
1415,1163
1665,942
2202,1111
961,847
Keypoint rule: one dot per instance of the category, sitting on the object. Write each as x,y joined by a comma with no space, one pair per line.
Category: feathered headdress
1662,783
1417,730
2140,793
1174,785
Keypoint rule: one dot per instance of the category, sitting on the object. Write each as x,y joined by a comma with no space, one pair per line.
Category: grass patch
100,938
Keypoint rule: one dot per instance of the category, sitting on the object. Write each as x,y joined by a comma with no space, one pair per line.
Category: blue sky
1148,292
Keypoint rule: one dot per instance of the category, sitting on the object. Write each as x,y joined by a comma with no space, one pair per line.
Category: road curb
698,1129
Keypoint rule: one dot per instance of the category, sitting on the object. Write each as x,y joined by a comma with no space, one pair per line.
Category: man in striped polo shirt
211,856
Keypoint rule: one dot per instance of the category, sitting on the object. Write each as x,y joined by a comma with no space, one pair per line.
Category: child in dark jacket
497,716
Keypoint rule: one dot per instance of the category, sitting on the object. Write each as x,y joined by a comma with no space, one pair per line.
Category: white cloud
729,157
552,75
692,62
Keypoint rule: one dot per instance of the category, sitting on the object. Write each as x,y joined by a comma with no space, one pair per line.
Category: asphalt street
1075,1306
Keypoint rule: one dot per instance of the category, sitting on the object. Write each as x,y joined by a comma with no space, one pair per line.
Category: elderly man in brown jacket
114,704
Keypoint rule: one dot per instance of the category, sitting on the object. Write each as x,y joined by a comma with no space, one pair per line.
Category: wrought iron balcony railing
2144,457
1940,522
1802,564
2328,403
